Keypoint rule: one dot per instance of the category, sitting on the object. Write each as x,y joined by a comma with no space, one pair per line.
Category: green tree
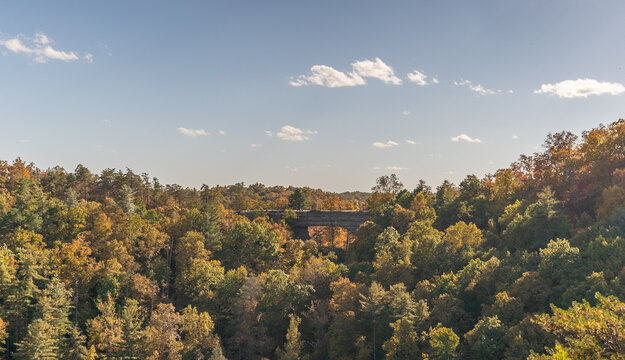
132,329
559,264
28,207
443,343
197,276
533,227
463,235
487,339
40,342
298,200
401,305
254,244
404,344
198,339
387,185
588,332
54,307
373,309
293,345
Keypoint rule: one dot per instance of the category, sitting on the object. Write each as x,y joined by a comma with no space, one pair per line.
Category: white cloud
290,133
323,75
482,90
465,137
434,81
192,132
292,168
405,112
15,45
514,137
581,88
376,69
268,133
387,144
221,132
255,145
411,142
41,39
392,168
478,89
420,78
38,48
89,58
328,76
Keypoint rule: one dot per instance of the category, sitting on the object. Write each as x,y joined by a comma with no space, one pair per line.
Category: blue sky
149,85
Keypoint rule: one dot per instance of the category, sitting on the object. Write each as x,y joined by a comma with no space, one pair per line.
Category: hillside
528,262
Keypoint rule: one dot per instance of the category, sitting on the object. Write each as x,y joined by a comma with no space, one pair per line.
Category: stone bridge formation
349,220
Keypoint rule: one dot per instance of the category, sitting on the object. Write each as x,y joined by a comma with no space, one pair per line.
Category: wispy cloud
387,144
411,142
392,168
581,88
268,133
221,132
293,168
192,132
255,145
290,133
89,58
420,78
478,89
39,48
328,76
465,137
405,112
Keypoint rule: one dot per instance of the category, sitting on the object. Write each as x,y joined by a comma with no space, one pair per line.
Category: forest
525,263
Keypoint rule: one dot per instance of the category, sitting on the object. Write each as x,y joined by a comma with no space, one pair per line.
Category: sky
327,94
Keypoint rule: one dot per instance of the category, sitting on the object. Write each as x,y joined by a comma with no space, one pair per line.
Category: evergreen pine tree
293,346
40,343
71,198
132,334
298,199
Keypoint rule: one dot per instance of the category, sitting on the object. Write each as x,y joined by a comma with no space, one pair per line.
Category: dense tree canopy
528,262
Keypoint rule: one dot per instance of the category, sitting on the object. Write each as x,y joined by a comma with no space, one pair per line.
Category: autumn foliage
528,262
